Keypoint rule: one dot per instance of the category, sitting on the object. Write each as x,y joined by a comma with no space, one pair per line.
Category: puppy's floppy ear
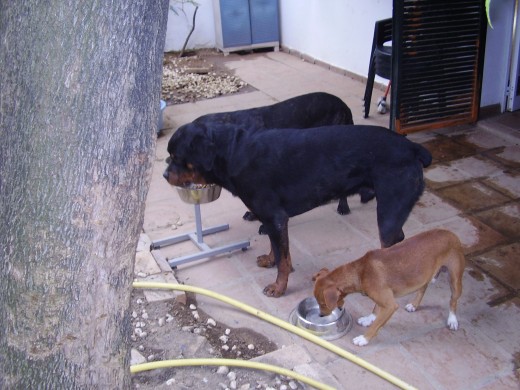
320,273
331,295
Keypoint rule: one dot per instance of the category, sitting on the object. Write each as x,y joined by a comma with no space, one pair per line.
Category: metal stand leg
197,238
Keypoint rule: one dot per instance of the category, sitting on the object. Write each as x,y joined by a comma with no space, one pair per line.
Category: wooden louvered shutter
438,48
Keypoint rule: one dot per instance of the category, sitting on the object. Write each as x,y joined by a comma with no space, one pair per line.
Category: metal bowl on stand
199,193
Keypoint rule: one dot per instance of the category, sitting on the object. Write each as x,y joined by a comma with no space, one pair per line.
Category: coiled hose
266,317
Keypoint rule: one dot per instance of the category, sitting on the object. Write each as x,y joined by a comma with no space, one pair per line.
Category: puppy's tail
423,155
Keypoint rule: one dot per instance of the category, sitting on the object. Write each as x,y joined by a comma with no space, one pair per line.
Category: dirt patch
197,76
172,330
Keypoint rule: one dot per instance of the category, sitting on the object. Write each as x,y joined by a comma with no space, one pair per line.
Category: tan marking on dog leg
266,261
277,289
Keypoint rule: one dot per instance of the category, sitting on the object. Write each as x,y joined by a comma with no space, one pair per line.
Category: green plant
488,3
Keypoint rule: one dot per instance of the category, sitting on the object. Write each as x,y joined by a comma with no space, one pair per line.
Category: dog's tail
424,156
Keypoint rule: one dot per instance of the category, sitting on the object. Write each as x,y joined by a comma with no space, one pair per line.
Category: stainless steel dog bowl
307,316
199,193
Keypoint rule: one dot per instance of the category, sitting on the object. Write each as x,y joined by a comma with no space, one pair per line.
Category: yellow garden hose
276,321
229,363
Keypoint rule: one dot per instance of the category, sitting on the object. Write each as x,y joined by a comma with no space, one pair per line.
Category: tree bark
79,105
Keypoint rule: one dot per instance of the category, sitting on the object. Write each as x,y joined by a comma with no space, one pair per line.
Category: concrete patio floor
473,189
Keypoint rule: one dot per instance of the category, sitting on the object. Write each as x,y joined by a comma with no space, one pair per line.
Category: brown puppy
385,274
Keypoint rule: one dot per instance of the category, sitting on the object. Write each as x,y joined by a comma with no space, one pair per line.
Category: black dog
301,112
280,174
310,110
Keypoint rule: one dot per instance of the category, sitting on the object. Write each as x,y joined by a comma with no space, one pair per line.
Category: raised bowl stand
197,237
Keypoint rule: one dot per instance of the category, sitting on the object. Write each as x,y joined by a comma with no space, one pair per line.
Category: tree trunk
79,105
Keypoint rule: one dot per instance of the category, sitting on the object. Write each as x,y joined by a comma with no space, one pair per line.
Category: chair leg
370,85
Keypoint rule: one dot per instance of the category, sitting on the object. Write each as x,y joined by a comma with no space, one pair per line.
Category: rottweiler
313,109
280,174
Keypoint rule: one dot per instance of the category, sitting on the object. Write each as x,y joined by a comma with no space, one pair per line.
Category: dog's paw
410,308
452,322
367,320
343,208
366,194
342,211
249,216
274,291
360,341
265,261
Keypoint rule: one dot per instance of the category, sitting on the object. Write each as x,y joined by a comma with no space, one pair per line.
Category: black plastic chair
380,59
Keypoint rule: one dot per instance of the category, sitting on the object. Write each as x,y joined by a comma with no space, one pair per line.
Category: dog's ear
320,273
331,295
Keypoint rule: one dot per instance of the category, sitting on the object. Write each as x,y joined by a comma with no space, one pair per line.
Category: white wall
179,27
496,61
337,32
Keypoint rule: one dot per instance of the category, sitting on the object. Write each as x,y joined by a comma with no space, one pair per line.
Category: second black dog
301,112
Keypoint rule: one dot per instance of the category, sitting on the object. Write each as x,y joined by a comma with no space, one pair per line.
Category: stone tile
334,235
473,234
442,175
157,295
144,243
446,149
477,167
487,139
509,155
503,263
318,373
505,381
431,208
345,255
145,264
287,357
393,360
209,272
499,323
509,120
456,132
438,356
479,238
472,196
507,184
421,136
479,292
504,126
161,261
504,219
180,249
